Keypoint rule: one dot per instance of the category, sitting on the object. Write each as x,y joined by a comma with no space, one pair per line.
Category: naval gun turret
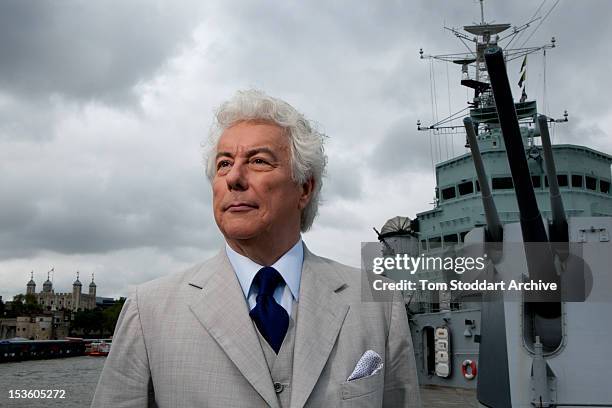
558,228
532,349
540,261
494,230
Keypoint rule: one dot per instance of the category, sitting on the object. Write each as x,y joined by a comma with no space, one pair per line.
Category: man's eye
223,163
259,161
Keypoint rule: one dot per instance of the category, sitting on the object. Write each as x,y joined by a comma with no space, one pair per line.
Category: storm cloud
105,107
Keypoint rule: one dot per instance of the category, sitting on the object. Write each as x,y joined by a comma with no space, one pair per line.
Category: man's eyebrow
257,150
249,153
222,154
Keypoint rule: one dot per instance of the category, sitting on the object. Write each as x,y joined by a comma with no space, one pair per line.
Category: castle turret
48,285
76,293
31,286
92,293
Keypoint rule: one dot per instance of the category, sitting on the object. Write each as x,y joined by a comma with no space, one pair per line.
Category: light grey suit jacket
186,340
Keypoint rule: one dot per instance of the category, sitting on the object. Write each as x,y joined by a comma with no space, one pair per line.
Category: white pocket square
369,364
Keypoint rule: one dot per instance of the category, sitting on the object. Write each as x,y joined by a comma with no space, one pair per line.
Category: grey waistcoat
281,365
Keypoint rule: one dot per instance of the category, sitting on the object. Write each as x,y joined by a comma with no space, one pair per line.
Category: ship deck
434,396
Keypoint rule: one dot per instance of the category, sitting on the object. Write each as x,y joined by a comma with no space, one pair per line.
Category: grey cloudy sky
104,107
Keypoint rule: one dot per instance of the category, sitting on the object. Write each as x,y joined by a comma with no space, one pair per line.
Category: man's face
253,193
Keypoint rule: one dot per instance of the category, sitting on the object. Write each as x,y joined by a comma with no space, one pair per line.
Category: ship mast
473,68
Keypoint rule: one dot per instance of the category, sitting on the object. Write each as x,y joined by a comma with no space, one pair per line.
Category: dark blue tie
270,318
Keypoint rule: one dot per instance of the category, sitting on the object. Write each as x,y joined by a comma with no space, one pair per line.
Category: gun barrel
494,225
531,221
539,258
541,319
558,230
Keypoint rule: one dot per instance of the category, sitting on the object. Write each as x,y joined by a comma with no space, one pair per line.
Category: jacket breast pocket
363,392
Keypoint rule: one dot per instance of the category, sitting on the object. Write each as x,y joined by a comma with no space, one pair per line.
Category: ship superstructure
446,330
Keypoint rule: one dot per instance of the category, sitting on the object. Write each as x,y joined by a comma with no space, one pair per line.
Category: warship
512,188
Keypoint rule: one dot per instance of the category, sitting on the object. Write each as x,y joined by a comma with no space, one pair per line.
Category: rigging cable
435,106
451,117
540,23
517,37
538,10
449,108
433,73
433,169
552,129
433,114
467,98
544,100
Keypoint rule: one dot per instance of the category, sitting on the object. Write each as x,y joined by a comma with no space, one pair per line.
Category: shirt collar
289,266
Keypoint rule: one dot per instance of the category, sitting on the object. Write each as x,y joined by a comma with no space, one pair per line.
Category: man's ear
307,190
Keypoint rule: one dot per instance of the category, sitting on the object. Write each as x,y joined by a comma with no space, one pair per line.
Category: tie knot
267,279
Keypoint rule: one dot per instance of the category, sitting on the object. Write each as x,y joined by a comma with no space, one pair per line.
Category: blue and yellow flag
523,72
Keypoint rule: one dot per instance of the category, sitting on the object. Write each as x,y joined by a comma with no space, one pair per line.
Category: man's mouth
240,206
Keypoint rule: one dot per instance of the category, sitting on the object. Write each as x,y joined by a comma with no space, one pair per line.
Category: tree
31,304
87,320
98,321
111,315
25,305
17,307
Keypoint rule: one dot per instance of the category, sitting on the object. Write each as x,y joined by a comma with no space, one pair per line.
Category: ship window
591,183
462,235
450,239
502,183
429,350
562,180
448,193
604,186
466,188
435,242
477,186
536,181
424,244
577,180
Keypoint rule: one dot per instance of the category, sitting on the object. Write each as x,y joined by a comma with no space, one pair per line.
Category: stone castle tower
92,287
74,301
76,293
31,287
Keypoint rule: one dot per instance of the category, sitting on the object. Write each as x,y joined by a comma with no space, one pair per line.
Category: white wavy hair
308,157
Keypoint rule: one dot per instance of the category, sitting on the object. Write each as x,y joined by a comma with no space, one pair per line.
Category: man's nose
236,178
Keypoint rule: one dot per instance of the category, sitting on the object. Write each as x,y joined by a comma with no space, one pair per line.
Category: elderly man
265,322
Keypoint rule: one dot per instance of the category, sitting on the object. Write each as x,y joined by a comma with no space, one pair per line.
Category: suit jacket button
278,387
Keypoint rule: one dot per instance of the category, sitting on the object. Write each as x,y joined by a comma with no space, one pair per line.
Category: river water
77,376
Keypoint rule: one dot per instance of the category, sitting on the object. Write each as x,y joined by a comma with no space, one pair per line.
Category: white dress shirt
289,266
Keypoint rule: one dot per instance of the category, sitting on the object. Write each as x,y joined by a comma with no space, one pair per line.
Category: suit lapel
221,308
320,316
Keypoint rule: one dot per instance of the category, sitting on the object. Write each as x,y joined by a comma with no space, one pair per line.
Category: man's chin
240,234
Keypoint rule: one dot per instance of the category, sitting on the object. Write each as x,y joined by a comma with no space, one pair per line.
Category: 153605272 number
36,394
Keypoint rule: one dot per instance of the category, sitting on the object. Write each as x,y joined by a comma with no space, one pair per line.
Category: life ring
468,375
